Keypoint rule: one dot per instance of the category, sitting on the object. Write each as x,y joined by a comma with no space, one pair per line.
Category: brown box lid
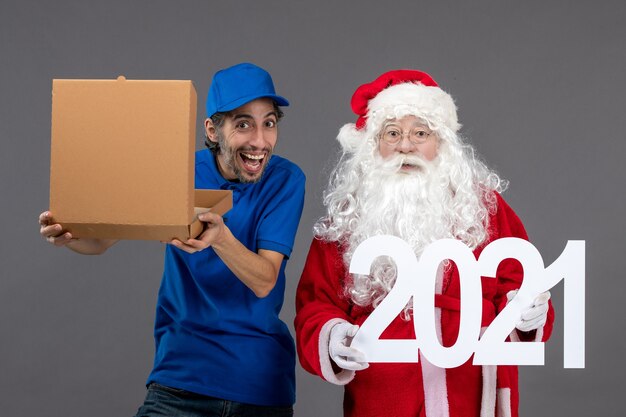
122,159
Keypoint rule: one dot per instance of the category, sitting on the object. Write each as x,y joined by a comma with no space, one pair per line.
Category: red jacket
411,389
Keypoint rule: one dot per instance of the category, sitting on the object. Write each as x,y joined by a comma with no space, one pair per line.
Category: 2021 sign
491,348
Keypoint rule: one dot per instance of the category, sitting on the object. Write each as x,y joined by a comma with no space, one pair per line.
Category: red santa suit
411,389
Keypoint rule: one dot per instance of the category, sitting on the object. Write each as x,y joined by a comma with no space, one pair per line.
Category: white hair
449,197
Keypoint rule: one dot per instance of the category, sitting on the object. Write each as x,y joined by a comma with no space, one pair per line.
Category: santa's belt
448,302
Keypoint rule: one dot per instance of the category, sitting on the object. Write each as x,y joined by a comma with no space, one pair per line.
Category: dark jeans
172,402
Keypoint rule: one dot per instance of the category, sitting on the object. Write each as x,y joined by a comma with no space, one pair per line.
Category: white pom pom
350,138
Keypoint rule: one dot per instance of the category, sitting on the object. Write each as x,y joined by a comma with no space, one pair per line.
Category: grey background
540,87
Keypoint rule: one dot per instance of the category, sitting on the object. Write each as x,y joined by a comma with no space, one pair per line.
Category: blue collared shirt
213,335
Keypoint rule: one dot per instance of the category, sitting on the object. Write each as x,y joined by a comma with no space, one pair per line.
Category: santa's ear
350,137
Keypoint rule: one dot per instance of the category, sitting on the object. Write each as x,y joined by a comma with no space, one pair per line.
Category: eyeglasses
392,135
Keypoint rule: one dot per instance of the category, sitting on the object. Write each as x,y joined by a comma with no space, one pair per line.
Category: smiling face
246,140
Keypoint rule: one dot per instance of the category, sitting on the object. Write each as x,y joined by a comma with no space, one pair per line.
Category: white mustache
394,164
415,160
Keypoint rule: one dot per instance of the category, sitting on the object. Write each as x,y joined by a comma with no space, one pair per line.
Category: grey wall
541,92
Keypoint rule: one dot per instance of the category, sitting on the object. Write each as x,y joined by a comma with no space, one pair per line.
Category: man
220,347
406,172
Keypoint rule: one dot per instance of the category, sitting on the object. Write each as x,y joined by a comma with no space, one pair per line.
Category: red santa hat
396,94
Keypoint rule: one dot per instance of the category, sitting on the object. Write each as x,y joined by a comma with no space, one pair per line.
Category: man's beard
229,155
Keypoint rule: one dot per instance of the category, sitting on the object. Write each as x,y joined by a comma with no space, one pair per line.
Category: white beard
443,198
410,205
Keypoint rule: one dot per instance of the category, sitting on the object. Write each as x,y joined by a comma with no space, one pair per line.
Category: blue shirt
213,335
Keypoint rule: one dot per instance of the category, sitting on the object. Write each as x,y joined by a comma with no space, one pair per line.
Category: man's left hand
213,232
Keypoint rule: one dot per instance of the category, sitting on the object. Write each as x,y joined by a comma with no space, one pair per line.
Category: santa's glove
534,316
339,349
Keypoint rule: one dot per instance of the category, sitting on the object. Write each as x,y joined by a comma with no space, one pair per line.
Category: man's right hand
56,235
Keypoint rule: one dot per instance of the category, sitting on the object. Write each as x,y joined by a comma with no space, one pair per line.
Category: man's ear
210,130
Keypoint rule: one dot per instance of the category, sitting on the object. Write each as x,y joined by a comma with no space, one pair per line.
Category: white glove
534,316
339,349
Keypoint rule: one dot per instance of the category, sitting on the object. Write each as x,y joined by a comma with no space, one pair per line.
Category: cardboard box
122,160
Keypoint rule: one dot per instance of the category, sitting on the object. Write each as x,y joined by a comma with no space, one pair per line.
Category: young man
220,347
406,172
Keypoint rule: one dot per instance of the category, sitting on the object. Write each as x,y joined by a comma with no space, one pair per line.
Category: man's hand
56,235
53,232
339,348
214,232
534,316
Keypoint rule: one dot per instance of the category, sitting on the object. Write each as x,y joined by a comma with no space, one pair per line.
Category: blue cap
240,84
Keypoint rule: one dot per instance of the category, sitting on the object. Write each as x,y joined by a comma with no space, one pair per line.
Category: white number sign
491,348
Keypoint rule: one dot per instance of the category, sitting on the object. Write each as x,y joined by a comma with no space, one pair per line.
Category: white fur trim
504,402
343,377
490,383
429,103
435,389
434,377
350,138
488,401
439,290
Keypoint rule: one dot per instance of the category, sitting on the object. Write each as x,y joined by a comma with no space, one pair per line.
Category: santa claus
405,171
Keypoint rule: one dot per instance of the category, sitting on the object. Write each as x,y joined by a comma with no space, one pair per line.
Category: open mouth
252,162
407,167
